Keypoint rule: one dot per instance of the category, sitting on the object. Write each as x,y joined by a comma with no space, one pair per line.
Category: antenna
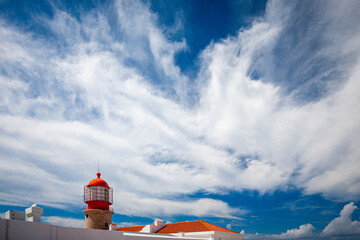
98,165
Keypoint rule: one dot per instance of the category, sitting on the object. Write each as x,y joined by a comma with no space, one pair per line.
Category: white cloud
65,106
140,29
64,221
128,204
343,225
279,136
303,231
127,224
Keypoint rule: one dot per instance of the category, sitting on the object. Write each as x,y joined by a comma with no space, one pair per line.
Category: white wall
215,235
2,229
152,228
17,230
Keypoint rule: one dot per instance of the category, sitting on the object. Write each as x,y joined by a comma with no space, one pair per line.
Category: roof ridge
185,222
133,226
205,224
136,228
222,228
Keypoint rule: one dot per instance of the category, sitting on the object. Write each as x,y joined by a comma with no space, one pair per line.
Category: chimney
159,223
15,215
33,213
113,227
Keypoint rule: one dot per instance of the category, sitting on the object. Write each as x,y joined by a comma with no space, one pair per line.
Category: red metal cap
98,182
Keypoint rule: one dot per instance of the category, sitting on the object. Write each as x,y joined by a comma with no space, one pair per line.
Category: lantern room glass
98,193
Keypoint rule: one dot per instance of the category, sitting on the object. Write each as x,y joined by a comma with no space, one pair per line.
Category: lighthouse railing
110,208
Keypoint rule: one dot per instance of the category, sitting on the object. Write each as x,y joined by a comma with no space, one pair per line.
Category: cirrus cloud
116,94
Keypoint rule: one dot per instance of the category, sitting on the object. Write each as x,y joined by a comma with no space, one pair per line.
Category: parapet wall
18,230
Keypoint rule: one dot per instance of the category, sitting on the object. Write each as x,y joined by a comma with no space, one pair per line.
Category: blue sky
241,113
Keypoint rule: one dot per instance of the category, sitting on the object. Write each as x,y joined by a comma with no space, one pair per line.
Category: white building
16,230
15,215
192,229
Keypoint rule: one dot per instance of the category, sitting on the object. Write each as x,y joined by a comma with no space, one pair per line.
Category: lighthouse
98,196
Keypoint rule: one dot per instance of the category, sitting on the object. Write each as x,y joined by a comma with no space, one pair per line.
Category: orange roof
131,229
98,182
193,226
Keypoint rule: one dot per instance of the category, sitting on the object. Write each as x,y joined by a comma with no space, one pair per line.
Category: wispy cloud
64,221
116,94
155,207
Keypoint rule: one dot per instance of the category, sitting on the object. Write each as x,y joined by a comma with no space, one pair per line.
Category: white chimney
159,222
16,215
33,213
113,227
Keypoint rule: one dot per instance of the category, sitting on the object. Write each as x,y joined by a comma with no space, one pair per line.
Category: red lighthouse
98,196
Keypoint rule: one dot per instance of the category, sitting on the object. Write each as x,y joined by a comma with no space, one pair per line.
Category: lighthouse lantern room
98,196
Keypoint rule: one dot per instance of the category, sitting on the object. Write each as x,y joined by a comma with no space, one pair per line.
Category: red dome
98,182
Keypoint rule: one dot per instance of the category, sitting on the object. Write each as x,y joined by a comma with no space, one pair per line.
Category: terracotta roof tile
193,226
217,228
131,229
